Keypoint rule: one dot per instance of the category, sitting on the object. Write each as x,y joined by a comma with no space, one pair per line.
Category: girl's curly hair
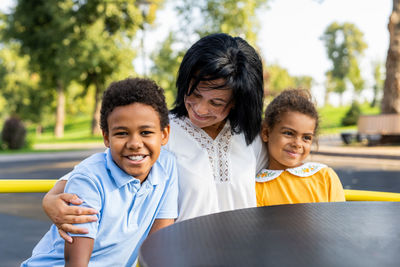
298,100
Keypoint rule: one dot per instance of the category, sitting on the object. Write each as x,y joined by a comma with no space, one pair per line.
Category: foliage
45,31
235,17
331,117
105,39
277,79
21,87
166,64
84,41
13,133
378,81
105,30
345,45
352,115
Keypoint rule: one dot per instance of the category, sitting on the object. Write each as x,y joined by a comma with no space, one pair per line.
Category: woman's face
208,107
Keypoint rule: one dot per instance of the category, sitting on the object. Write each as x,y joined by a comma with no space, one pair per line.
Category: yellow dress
310,182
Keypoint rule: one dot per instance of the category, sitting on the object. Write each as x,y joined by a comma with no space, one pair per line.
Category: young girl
289,128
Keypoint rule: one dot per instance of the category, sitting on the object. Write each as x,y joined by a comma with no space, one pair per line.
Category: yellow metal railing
26,185
365,195
42,186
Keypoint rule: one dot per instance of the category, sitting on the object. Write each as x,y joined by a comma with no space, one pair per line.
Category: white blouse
214,175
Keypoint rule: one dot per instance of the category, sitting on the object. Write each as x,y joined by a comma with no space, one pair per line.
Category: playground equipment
42,186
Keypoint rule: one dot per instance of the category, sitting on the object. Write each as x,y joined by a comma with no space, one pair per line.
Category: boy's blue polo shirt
126,208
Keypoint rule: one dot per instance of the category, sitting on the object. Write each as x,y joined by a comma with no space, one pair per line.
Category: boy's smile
135,138
289,142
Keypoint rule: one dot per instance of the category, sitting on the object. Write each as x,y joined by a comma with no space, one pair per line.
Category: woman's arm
56,205
78,252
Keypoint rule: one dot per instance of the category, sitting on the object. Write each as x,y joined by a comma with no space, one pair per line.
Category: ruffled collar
305,170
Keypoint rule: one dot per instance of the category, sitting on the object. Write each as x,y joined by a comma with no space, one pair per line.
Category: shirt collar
121,178
305,170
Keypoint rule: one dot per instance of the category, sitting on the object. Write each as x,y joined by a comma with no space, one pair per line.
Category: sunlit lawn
331,118
75,131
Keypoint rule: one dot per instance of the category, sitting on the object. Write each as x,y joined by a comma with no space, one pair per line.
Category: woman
215,129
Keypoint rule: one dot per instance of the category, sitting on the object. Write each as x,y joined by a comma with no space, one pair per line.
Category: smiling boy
133,184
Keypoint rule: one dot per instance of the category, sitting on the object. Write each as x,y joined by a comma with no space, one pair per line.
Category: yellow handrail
366,195
43,186
26,185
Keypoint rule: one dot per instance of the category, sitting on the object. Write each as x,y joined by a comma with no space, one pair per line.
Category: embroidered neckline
217,149
305,170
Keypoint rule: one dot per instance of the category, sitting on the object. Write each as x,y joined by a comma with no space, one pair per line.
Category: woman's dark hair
133,90
299,100
234,60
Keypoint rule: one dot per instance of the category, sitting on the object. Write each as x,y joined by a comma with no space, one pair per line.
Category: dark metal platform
19,235
318,234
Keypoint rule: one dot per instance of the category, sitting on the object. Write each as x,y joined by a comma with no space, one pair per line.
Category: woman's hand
56,205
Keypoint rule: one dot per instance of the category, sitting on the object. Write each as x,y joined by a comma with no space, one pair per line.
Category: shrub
352,115
14,133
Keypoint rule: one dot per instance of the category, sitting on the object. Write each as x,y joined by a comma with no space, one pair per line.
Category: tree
345,45
21,87
166,64
235,17
277,79
304,82
106,29
94,38
378,82
45,32
391,91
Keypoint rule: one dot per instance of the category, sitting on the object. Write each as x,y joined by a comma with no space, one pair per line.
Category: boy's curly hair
133,90
299,100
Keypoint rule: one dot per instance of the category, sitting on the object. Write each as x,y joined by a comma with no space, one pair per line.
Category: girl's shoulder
305,170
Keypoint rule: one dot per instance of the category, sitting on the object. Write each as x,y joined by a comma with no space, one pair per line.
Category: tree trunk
326,97
391,91
60,113
39,129
375,98
96,111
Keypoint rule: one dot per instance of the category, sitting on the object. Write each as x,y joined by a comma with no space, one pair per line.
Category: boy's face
135,138
289,141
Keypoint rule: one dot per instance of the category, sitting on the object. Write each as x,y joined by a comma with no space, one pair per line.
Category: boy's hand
57,208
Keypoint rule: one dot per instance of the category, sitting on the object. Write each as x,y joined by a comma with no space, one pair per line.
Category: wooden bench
375,129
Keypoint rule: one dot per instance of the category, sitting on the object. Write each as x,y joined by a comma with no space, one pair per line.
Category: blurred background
58,56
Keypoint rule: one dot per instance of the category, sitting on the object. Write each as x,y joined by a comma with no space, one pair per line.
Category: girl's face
208,107
289,141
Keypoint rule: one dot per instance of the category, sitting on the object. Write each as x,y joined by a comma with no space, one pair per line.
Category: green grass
75,131
331,118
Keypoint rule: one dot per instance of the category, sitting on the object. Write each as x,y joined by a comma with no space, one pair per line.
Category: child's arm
78,252
160,223
169,207
55,204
